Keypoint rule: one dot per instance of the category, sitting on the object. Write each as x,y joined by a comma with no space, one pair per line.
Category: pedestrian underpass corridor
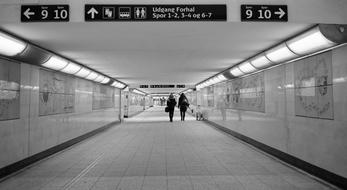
147,152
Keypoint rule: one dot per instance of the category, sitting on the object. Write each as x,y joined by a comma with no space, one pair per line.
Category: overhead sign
45,13
163,86
261,13
95,12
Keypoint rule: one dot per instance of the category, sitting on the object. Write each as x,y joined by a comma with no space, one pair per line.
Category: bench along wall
40,109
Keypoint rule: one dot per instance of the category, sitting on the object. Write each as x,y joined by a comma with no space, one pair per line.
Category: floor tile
147,152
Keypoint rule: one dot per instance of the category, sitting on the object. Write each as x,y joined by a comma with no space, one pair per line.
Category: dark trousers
171,113
183,115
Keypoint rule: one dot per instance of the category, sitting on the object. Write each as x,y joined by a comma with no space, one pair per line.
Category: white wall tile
321,142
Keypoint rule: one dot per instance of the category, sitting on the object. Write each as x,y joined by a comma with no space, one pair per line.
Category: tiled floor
149,153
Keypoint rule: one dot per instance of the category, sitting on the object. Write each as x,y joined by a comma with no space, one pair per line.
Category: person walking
183,105
171,103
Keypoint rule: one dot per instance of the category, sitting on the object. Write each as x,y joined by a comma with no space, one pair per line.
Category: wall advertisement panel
57,93
9,90
248,93
103,97
313,87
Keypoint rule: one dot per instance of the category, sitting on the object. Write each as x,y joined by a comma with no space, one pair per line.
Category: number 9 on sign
249,13
44,14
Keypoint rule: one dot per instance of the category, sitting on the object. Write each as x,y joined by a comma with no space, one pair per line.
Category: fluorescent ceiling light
260,62
280,54
99,78
92,76
83,72
114,83
246,67
216,80
10,46
138,92
236,71
55,63
106,80
71,68
222,77
118,84
309,42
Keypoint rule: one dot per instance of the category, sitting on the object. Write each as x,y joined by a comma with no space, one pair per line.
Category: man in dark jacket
171,103
183,105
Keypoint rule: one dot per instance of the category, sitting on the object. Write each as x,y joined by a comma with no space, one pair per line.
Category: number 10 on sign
261,13
45,13
58,14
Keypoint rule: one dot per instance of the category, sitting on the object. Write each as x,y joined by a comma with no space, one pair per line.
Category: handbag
166,109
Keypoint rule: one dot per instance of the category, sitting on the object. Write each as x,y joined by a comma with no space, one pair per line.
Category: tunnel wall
135,103
148,102
43,109
299,108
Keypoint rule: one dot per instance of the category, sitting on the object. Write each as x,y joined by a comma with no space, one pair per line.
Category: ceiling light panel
106,80
10,46
71,68
216,80
236,72
92,76
83,72
114,83
99,78
118,84
309,42
138,92
246,67
260,62
55,63
222,77
280,54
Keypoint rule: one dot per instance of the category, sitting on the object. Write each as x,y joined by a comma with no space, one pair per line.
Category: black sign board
45,13
140,13
261,13
180,86
163,86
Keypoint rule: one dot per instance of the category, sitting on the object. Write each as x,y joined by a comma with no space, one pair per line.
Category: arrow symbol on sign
27,13
280,12
93,11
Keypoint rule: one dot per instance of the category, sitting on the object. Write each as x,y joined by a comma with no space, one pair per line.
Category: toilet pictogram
140,13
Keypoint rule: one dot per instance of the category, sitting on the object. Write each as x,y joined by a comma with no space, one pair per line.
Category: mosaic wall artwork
9,90
191,96
221,96
313,87
136,100
57,93
103,97
247,93
210,96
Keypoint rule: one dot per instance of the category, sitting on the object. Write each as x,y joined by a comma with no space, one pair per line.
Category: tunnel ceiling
156,53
